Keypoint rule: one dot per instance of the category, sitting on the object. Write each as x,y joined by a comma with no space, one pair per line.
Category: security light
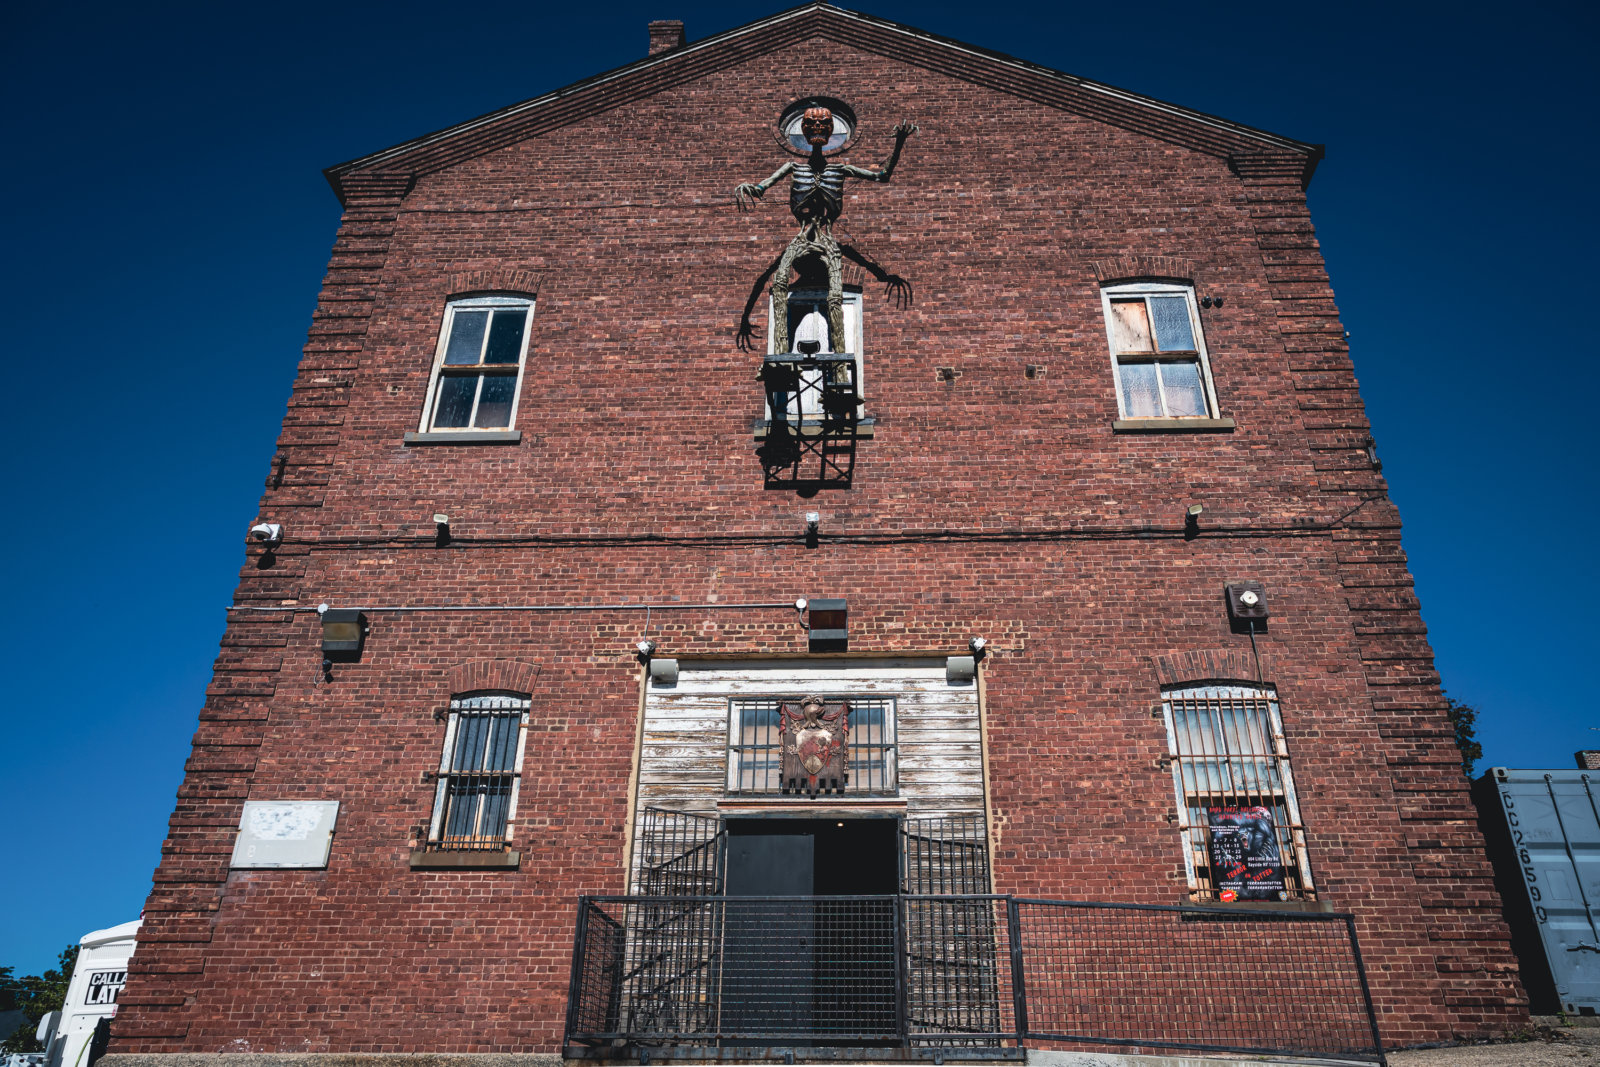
828,623
343,631
268,533
646,648
1191,521
977,645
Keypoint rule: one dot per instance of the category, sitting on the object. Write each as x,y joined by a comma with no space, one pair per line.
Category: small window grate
476,795
755,746
1235,790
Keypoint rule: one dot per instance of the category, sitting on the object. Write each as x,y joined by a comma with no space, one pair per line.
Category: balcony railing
959,977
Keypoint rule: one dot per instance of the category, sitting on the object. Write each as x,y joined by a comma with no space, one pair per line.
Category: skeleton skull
817,125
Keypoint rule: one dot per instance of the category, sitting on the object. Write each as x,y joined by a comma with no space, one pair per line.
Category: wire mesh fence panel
595,998
670,981
957,973
1194,978
972,974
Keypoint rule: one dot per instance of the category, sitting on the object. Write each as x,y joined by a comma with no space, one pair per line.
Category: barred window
1237,812
475,800
755,746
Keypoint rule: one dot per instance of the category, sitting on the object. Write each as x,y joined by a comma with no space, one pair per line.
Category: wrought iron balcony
941,977
813,406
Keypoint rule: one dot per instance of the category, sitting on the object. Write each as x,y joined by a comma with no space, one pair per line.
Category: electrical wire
1143,532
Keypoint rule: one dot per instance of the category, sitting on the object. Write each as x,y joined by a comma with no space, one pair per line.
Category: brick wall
1057,539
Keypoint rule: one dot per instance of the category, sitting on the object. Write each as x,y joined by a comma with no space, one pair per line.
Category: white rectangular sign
285,833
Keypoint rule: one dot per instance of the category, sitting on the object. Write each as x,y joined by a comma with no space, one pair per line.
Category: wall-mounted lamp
813,526
978,645
344,631
646,648
828,623
1191,521
441,529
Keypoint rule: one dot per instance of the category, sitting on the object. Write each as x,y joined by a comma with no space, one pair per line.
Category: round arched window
844,124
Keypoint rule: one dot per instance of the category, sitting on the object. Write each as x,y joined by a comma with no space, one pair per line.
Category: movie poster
1246,863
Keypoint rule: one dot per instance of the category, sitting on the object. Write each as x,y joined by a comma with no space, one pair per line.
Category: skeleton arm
885,172
748,191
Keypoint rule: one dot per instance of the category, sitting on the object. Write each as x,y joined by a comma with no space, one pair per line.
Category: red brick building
524,438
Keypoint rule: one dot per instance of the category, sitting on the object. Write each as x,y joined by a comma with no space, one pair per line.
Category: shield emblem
815,735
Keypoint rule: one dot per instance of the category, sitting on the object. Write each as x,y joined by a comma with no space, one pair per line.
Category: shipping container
1542,829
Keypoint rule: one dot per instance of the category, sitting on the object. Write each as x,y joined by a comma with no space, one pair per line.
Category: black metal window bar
755,748
1227,751
803,977
475,794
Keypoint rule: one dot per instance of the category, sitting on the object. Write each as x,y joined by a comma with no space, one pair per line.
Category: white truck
97,979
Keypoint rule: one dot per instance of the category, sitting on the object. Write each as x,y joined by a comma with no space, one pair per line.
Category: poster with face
1246,863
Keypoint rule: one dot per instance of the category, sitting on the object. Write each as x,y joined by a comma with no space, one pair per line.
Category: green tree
38,995
1464,717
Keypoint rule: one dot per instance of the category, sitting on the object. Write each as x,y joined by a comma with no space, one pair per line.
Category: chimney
1589,760
665,35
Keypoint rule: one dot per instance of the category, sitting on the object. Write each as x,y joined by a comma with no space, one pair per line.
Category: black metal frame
810,452
974,976
862,780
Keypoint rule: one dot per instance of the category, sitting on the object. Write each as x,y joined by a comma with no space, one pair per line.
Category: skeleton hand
905,129
897,289
747,192
745,339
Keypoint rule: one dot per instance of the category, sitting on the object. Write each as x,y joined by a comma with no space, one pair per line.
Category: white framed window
1237,812
755,746
808,333
477,369
480,771
1158,352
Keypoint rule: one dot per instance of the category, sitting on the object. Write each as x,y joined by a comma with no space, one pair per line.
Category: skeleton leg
780,295
830,255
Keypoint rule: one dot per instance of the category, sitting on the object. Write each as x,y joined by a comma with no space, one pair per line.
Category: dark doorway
814,969
812,857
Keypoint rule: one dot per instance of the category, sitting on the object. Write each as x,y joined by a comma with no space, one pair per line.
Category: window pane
505,336
471,733
454,406
466,337
502,755
1185,394
1139,390
1174,333
494,406
1130,327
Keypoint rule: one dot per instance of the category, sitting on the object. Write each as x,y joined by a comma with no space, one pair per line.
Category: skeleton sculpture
816,197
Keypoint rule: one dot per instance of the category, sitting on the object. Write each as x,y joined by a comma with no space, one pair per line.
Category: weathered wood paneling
683,761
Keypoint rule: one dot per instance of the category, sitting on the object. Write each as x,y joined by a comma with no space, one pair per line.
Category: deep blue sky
168,227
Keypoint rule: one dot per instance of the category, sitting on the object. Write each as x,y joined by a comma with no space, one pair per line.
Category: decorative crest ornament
816,198
815,736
